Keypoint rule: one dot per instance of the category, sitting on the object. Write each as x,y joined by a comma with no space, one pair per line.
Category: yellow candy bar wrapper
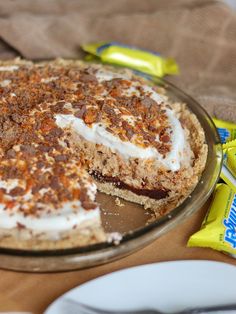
230,160
228,177
228,172
132,57
218,230
230,144
226,130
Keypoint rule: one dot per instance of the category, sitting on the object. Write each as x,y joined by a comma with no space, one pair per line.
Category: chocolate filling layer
155,194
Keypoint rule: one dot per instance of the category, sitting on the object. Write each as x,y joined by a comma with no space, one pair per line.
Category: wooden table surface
34,292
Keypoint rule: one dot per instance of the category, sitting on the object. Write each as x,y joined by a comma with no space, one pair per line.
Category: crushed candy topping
35,154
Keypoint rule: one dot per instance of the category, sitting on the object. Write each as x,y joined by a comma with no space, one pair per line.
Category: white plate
168,286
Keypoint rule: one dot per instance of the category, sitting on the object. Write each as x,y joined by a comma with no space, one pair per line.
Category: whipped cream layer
180,152
134,87
98,134
53,224
49,222
9,68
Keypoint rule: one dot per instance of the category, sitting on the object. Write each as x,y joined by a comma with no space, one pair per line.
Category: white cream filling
49,79
180,148
70,215
98,134
154,95
9,68
109,75
5,83
64,220
11,184
132,90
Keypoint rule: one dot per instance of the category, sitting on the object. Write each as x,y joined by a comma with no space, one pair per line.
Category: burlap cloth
199,34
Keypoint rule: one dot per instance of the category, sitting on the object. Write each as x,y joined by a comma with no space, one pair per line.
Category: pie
68,128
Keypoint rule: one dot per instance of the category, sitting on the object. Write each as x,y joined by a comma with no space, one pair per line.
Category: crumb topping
35,154
123,106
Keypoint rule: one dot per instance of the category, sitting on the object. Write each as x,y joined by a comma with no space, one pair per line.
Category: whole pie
68,128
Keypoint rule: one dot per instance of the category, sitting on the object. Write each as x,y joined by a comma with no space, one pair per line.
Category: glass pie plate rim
96,254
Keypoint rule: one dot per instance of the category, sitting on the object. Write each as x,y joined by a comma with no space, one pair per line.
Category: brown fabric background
199,34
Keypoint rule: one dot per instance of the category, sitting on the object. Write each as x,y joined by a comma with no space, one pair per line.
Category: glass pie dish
131,221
